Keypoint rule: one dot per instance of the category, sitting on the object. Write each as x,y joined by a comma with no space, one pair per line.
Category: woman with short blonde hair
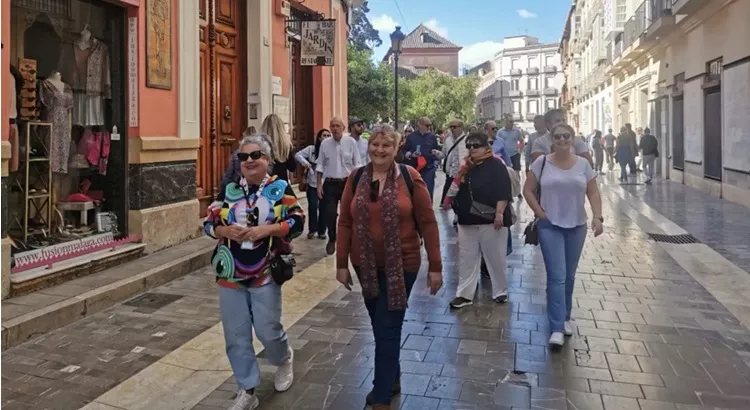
284,162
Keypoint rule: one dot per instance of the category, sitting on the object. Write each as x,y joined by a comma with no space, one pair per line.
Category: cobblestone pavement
648,336
73,365
718,223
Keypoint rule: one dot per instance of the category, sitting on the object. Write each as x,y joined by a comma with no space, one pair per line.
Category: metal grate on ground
676,239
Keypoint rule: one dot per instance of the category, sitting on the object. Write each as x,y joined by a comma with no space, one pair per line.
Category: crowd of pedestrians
371,198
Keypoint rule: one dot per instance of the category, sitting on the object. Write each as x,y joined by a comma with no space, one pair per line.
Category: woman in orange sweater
385,208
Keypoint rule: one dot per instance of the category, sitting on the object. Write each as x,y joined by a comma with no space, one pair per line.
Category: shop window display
61,119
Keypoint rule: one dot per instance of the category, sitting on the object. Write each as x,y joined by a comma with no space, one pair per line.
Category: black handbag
479,209
530,234
282,268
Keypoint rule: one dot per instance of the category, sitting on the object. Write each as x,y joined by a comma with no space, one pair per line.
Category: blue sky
477,25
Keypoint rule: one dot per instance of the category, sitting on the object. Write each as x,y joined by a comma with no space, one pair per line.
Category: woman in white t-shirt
558,201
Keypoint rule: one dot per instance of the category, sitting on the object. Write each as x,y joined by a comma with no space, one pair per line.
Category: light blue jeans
243,310
561,250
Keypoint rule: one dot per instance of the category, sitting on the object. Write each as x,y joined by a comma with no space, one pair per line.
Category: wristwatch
601,219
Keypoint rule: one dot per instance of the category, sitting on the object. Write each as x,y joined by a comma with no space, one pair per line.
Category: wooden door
302,130
223,86
712,161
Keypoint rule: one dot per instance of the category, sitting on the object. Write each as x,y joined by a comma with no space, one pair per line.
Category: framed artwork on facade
159,44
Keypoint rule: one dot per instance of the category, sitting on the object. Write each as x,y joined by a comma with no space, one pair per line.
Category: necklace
251,206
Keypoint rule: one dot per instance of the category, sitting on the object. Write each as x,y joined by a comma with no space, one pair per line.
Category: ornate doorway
223,89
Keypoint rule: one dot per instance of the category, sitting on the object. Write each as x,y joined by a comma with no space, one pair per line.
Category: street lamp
397,40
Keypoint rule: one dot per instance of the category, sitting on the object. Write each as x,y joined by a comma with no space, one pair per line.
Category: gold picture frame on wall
159,44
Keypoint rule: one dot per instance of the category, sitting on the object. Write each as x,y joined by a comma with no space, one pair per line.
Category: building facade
525,80
679,67
122,114
423,49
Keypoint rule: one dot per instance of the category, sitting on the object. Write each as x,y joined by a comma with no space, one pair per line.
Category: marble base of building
161,181
166,225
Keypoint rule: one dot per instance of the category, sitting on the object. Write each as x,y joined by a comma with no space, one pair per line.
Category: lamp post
397,39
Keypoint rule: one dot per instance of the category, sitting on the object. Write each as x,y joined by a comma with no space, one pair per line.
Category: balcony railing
533,70
618,46
515,71
514,93
638,23
550,91
532,93
550,69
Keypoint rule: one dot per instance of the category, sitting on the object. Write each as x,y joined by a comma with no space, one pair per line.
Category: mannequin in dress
56,79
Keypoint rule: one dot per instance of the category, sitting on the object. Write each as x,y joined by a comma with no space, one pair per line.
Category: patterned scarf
470,163
394,270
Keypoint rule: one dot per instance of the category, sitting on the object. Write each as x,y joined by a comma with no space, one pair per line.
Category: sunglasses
474,145
325,135
453,127
255,155
561,136
494,128
374,190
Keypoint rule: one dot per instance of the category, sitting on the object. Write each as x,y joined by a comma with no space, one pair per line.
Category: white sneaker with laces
244,401
557,339
568,329
284,376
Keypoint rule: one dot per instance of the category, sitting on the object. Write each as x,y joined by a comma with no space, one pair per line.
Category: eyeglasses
453,127
494,128
474,145
243,156
374,190
561,136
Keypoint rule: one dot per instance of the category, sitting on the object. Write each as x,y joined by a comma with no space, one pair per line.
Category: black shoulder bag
479,209
530,234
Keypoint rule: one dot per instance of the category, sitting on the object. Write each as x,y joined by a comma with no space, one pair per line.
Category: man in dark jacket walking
649,146
422,151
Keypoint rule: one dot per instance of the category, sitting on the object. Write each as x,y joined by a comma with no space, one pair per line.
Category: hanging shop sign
318,40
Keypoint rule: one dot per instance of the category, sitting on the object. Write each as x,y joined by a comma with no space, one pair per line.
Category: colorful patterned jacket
246,264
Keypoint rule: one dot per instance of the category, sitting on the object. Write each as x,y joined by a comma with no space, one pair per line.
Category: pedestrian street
657,326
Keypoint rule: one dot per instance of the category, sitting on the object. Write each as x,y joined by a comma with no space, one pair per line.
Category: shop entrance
302,102
223,88
68,174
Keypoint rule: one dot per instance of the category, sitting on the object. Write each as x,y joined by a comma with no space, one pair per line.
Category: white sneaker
284,376
557,339
568,329
244,401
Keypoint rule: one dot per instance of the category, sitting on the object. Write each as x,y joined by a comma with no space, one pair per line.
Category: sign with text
318,42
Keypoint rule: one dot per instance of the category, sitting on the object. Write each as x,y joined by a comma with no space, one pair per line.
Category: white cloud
435,26
478,53
525,14
384,23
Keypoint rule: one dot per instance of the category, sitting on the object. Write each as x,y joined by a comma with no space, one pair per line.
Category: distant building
524,79
423,49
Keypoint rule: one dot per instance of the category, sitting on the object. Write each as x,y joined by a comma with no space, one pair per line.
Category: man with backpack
454,151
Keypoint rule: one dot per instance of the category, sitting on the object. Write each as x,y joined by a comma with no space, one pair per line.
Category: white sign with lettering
133,71
318,42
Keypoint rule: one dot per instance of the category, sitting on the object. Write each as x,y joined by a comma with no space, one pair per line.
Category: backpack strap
357,177
404,169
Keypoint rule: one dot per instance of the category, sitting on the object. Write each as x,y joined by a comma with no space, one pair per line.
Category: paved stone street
649,335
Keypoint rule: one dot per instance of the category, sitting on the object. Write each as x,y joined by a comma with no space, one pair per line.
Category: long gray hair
263,142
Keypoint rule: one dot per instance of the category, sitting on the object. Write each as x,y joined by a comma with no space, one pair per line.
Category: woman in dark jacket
480,195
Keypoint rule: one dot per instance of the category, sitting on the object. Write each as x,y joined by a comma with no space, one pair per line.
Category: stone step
31,315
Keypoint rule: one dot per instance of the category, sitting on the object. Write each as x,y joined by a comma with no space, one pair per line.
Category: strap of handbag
539,182
454,146
404,170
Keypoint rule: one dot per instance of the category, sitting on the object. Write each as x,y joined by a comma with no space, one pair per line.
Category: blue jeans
261,309
428,175
386,326
561,250
315,212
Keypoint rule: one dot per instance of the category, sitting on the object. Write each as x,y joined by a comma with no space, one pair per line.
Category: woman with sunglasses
257,219
555,190
480,195
308,157
383,212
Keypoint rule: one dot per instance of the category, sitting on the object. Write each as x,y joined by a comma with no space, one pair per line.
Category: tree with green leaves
441,97
370,88
361,34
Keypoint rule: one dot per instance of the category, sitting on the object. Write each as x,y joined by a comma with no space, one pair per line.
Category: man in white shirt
356,129
543,144
337,158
